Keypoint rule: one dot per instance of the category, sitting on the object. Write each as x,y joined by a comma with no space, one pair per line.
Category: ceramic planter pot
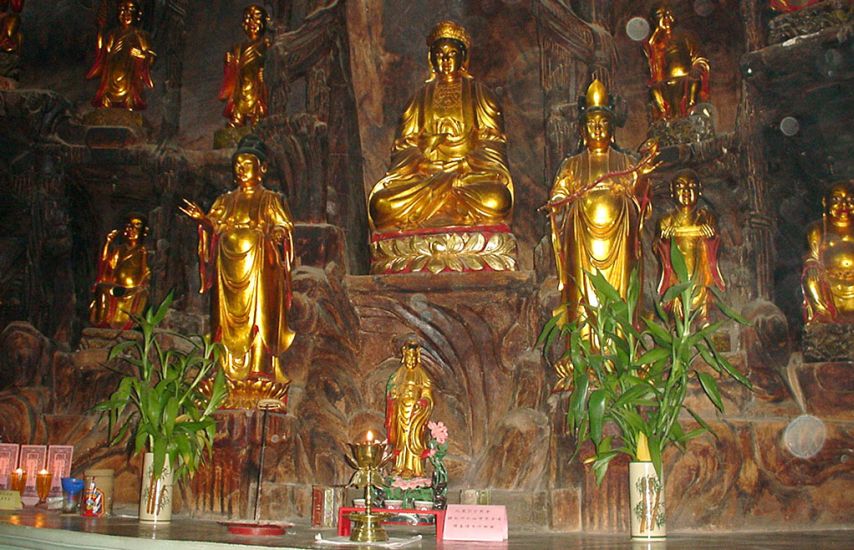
155,495
647,501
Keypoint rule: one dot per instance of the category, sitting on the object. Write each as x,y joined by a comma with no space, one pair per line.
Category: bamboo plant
636,376
160,407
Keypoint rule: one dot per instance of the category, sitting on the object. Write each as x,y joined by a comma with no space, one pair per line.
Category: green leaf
653,355
677,259
711,389
655,453
661,336
603,288
163,308
720,302
676,290
596,410
159,456
577,401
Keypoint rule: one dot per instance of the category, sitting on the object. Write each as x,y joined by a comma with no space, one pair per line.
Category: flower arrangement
437,449
434,488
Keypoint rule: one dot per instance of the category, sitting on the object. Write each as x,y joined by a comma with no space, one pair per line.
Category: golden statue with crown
446,202
597,207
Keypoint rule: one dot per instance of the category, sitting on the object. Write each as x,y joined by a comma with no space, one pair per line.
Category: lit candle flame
370,436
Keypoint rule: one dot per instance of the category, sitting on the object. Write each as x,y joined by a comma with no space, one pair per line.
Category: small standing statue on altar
121,287
597,207
409,403
412,437
11,40
694,230
243,88
245,259
446,202
678,82
828,274
123,64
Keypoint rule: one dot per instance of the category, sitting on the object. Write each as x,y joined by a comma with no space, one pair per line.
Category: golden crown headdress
597,98
451,30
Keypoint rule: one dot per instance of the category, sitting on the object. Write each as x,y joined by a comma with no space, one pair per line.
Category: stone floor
44,531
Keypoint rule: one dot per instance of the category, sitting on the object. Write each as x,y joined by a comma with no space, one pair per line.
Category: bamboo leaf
720,302
711,389
677,259
596,410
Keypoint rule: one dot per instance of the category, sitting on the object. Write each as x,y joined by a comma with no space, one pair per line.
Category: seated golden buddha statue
449,164
694,229
828,275
123,62
11,37
243,87
245,260
121,286
409,403
679,75
597,206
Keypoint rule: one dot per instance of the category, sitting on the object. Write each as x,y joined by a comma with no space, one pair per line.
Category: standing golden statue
409,403
449,163
243,87
679,75
245,259
121,286
597,206
123,61
695,233
828,275
11,37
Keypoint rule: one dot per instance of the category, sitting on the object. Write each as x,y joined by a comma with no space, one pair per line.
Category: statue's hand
111,236
194,211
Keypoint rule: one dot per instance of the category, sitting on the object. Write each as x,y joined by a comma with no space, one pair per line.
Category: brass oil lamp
367,459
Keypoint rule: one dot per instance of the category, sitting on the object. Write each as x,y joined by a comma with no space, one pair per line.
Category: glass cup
72,488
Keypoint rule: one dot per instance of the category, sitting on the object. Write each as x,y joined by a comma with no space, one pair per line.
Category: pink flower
438,431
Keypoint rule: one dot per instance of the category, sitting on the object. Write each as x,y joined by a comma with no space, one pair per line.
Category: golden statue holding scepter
597,207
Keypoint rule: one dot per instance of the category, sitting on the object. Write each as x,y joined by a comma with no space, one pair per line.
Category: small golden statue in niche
597,207
123,63
448,172
696,235
828,275
121,286
245,259
11,37
409,403
243,88
679,75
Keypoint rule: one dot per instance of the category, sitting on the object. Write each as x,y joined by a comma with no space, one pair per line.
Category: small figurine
243,87
679,75
245,258
409,403
695,233
828,274
123,62
121,287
